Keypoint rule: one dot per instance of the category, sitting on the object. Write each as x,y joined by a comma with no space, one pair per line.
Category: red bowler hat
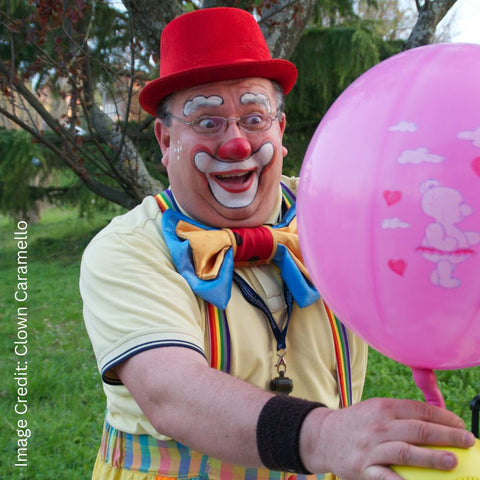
211,45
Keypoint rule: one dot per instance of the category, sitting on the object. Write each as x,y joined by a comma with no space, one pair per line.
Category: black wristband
278,432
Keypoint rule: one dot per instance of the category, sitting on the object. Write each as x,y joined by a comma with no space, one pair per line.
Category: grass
65,399
387,378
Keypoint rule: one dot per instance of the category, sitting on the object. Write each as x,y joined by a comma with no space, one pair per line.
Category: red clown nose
235,149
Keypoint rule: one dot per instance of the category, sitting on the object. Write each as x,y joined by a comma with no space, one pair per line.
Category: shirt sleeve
133,297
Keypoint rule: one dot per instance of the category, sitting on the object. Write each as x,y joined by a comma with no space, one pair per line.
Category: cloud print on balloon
420,155
404,127
394,223
473,136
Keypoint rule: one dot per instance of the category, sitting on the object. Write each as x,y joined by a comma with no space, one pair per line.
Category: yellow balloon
468,467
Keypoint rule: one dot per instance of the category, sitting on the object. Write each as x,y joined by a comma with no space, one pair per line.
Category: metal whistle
281,384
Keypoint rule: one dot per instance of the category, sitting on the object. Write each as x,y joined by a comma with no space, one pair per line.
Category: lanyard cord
216,316
252,297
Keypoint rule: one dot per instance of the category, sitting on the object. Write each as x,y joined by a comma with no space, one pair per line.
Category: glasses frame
193,124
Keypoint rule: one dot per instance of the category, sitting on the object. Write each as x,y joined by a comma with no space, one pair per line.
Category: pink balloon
389,208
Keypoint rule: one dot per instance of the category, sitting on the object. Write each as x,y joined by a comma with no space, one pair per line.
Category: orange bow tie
206,257
251,246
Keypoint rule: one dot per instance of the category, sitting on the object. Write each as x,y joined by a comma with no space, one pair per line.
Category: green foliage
66,32
329,11
31,177
328,60
23,164
61,52
332,13
12,37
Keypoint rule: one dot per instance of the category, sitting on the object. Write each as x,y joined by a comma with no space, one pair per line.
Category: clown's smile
234,184
236,181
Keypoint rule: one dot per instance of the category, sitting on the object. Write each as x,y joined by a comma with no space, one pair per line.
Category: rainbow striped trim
288,196
219,338
166,200
342,353
218,331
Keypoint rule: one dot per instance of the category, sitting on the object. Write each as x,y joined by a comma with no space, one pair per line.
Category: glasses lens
209,125
255,122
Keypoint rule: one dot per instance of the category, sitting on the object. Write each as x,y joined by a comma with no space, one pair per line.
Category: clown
198,387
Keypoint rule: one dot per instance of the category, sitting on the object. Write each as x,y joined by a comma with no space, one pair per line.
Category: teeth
231,175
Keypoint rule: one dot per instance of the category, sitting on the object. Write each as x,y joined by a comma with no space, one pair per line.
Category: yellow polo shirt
134,299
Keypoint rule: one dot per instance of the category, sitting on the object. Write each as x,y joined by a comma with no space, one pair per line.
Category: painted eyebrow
201,101
259,98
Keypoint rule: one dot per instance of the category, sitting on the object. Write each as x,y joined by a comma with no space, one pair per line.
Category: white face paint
201,101
177,150
234,185
256,98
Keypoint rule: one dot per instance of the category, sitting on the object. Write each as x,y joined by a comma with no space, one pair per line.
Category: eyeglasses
250,123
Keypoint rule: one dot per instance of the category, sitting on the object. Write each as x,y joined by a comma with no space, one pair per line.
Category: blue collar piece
218,290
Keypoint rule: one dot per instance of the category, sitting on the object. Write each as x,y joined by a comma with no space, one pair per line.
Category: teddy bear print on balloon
445,243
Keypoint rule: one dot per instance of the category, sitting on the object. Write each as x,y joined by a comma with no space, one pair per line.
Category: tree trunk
430,13
282,25
128,164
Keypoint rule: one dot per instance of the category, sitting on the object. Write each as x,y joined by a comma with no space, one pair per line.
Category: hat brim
279,70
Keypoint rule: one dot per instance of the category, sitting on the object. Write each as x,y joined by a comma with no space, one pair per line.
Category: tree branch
124,165
149,19
429,16
116,196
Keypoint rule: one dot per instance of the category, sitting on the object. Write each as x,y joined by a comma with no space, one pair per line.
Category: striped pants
141,457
